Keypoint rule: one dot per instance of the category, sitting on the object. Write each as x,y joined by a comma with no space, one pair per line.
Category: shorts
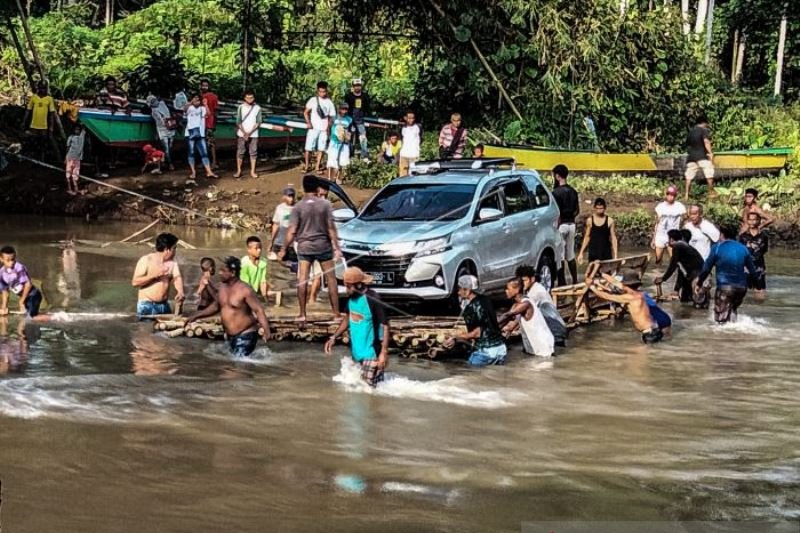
243,344
653,336
316,141
661,318
321,257
567,232
371,373
705,165
290,256
211,139
247,146
700,299
661,239
727,300
146,308
33,302
73,168
495,355
759,281
338,156
405,164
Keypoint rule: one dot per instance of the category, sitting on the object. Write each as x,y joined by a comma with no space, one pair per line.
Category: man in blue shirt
730,258
366,319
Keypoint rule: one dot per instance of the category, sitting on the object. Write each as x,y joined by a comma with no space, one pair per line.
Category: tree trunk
734,51
685,16
23,57
702,12
781,49
709,29
623,6
737,75
109,12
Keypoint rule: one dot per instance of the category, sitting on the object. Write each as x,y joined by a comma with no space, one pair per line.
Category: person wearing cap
359,104
241,313
669,215
165,126
339,146
366,320
280,221
647,317
152,159
482,328
312,225
319,113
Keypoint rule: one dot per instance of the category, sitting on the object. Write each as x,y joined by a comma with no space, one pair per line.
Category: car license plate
382,278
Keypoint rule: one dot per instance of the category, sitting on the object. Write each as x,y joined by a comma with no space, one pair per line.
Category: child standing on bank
72,162
14,278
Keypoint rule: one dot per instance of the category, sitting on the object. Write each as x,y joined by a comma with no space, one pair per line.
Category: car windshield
424,202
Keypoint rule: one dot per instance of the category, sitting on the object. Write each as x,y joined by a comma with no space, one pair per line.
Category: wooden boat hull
137,129
740,163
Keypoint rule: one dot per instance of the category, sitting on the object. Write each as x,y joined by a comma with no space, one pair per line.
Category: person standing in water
569,207
652,322
153,274
239,309
751,206
756,240
14,278
482,328
704,233
733,262
599,235
537,339
668,217
688,262
366,320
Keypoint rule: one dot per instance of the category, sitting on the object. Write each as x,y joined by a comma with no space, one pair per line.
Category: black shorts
758,282
322,258
653,336
727,300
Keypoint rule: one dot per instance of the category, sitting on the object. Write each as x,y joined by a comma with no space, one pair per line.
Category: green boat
137,129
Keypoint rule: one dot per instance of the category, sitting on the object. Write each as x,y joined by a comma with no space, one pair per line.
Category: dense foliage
636,75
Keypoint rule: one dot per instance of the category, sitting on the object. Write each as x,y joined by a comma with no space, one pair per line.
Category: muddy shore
246,203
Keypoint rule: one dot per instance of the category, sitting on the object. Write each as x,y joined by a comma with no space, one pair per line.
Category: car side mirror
489,213
343,215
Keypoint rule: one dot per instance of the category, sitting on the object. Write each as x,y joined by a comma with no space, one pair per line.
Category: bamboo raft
425,336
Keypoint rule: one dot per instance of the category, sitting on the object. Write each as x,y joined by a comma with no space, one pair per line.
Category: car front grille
396,265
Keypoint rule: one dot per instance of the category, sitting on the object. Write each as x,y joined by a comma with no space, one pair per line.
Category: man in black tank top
599,235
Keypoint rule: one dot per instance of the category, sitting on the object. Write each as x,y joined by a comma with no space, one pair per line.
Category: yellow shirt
40,106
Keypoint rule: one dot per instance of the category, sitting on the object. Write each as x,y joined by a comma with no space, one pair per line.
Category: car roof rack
441,165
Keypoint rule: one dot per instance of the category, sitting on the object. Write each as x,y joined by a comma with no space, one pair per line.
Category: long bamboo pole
685,16
740,57
709,29
781,51
483,61
734,52
23,57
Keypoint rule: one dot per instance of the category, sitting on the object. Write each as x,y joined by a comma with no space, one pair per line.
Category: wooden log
174,333
199,330
189,332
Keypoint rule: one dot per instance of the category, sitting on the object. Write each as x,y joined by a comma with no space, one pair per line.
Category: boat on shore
728,164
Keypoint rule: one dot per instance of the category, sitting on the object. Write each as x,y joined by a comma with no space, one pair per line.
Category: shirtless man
241,312
647,317
152,277
751,206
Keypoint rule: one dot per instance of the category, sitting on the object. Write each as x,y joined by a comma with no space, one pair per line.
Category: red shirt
154,156
212,102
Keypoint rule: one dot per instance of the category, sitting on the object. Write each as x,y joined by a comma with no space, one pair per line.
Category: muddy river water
105,426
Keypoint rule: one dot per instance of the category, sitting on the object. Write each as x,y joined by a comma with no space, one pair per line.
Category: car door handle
506,228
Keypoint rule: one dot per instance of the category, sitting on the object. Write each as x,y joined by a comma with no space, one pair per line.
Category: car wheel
546,272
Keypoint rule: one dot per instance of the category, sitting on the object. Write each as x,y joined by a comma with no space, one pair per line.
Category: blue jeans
361,131
495,355
166,142
202,149
243,344
146,308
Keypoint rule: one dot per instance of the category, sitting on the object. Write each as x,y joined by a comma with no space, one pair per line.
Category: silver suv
421,232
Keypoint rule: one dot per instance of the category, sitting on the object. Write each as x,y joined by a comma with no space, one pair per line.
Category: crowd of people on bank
334,133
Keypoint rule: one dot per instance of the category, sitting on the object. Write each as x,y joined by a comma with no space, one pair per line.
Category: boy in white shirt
319,114
248,121
412,141
669,214
280,224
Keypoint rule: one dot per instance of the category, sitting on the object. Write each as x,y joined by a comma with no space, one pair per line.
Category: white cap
468,282
358,81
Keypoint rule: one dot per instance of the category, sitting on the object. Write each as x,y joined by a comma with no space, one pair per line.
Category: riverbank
249,203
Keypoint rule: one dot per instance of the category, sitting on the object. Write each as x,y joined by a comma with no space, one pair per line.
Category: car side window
516,196
543,199
490,200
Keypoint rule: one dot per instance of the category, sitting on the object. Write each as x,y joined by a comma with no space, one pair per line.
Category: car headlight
432,246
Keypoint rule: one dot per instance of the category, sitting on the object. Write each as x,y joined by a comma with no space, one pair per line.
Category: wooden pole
702,11
23,57
734,51
685,16
740,57
483,61
29,38
781,50
709,29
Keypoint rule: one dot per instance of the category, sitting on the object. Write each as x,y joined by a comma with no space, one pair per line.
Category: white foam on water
448,390
747,325
449,495
262,355
66,316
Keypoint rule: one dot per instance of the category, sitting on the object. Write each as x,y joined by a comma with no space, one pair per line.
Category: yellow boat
738,163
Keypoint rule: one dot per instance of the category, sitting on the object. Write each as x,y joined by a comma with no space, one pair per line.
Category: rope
193,212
